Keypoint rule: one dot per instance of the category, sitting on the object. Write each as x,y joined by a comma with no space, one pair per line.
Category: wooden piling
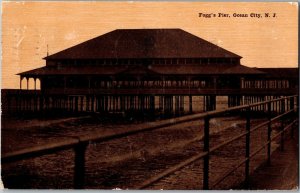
190,104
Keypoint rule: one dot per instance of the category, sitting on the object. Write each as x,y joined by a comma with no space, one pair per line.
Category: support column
135,103
56,102
131,102
114,101
213,102
122,103
96,103
27,79
67,104
87,108
21,78
291,103
92,104
161,103
177,104
105,103
242,80
181,101
35,103
210,102
215,82
110,103
34,83
190,103
81,104
117,103
166,102
113,107
70,103
152,103
127,101
229,101
146,101
234,100
76,103
171,105
142,103
238,100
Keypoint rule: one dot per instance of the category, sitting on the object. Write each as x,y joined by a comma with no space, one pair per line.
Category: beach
126,162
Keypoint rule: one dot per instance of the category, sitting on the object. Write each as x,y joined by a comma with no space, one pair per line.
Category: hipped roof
144,43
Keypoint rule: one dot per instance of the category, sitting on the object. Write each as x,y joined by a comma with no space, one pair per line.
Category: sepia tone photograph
150,95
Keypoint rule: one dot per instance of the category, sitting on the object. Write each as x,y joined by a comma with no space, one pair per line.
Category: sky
28,27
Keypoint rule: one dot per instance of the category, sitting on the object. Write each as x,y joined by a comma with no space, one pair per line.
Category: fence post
269,132
282,125
247,163
206,158
79,168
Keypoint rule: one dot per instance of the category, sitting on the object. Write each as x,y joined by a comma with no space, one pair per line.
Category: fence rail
80,143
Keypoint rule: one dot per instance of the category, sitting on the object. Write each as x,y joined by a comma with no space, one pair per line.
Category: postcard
132,95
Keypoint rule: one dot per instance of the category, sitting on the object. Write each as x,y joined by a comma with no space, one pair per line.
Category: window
220,60
213,60
204,61
174,61
189,61
227,60
181,61
197,61
114,61
161,61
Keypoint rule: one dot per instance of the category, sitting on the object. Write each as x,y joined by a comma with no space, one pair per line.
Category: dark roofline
238,56
90,44
45,58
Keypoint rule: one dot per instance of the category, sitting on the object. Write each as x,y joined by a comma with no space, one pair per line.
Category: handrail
100,137
170,170
252,154
39,150
74,142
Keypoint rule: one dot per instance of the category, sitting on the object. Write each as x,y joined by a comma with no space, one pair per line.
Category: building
149,70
